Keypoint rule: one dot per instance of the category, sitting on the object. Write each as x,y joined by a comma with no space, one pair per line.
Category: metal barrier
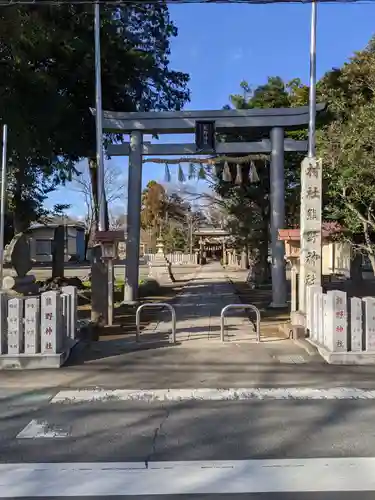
155,304
239,306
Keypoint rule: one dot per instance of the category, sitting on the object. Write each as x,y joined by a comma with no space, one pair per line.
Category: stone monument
310,270
58,252
99,287
19,251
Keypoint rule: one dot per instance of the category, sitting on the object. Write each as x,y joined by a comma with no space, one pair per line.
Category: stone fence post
3,322
51,323
310,319
338,341
71,310
15,325
32,325
356,324
369,305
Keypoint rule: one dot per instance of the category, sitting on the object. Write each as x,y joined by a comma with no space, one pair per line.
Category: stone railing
174,258
340,325
233,259
43,326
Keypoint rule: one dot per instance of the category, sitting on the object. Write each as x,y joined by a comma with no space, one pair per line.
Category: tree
174,239
153,209
346,145
248,205
168,215
176,208
115,188
118,222
275,94
47,87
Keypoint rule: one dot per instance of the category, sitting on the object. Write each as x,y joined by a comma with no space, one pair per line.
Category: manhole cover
291,359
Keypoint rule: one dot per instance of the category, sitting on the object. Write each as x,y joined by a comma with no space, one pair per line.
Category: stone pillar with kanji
369,307
32,325
311,228
338,337
51,322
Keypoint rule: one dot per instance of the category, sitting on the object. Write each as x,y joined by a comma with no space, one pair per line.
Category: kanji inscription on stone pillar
32,325
311,227
15,325
340,322
51,322
356,319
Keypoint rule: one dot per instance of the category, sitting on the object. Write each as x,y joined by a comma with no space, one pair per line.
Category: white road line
83,395
171,478
41,429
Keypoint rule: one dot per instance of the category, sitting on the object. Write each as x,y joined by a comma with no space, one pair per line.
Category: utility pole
312,90
307,226
99,125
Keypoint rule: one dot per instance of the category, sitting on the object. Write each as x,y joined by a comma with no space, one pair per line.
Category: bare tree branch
115,188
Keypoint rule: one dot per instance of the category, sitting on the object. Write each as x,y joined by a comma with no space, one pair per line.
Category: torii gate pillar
277,192
133,225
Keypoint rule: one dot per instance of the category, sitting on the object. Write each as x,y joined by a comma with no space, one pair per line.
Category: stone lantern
160,268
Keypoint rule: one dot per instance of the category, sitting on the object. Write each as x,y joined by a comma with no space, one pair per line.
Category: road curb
307,347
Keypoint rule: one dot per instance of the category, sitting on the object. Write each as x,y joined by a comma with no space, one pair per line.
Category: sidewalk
198,310
199,358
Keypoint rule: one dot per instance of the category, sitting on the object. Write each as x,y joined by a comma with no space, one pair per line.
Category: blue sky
220,45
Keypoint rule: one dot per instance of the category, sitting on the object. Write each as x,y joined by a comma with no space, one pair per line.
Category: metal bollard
239,306
155,304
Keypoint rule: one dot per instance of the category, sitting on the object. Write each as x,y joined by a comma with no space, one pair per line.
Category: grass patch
149,291
260,298
118,284
125,314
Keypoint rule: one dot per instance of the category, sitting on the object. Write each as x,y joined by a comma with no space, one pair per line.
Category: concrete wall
336,258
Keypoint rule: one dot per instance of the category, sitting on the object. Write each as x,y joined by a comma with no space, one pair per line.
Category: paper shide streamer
216,166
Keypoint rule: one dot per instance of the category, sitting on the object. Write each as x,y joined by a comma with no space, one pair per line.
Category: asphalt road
265,450
286,427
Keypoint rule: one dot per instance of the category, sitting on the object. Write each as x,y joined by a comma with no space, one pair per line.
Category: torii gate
265,122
